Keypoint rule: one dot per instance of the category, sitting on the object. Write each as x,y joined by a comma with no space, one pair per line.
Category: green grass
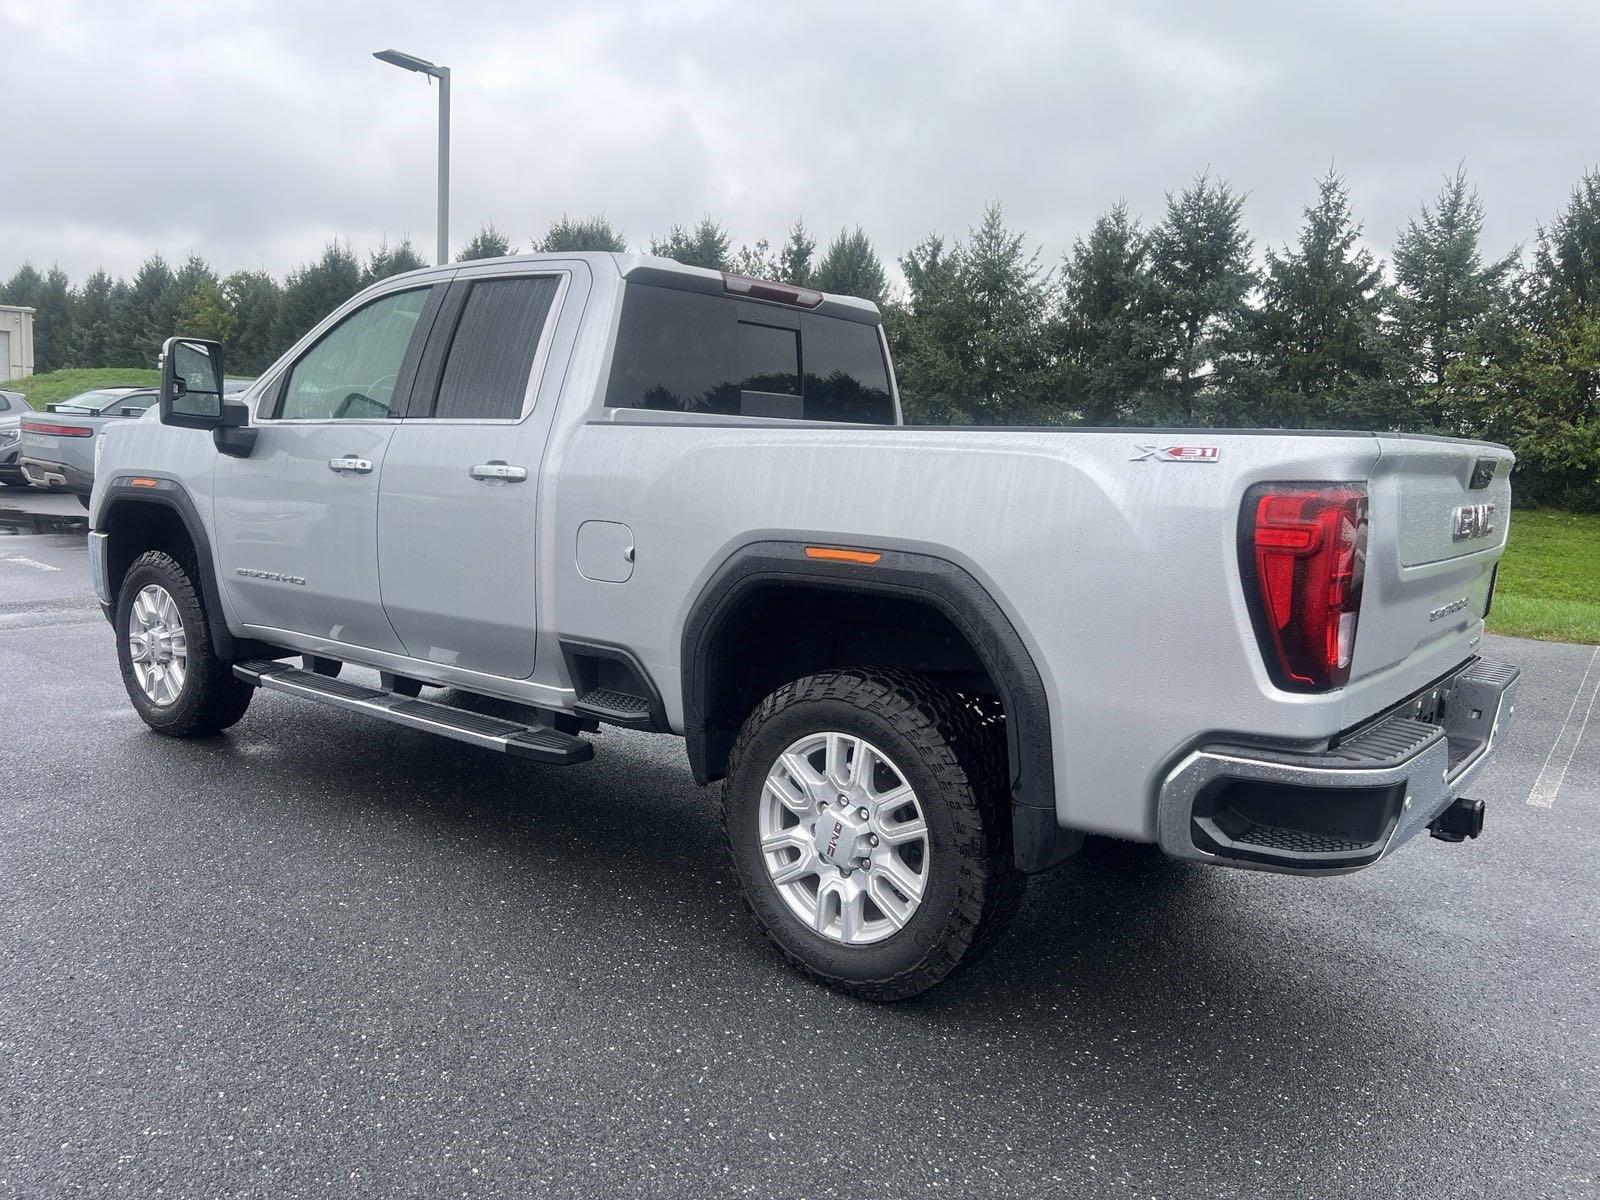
56,386
1549,583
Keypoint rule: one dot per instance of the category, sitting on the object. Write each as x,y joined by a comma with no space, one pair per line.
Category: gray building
16,341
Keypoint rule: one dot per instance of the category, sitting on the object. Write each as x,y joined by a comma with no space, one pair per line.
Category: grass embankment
56,386
1549,583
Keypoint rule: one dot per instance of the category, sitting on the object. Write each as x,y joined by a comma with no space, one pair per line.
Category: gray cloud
252,132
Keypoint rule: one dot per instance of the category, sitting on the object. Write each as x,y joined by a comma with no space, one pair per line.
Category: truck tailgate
1438,511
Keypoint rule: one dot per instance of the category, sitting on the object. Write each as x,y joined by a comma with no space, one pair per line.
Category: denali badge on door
1472,521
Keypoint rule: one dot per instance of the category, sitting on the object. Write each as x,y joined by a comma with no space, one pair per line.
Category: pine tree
55,324
253,298
1318,336
94,336
1534,383
927,334
970,342
1566,262
706,246
588,233
488,242
142,315
850,267
1103,329
1200,265
314,290
794,260
1444,295
387,261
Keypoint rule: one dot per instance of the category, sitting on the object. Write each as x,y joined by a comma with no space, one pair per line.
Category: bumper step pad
538,743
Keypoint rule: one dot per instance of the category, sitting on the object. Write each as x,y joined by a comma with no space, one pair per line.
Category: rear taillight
55,430
1303,552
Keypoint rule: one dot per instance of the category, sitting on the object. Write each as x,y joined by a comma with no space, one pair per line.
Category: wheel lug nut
863,813
872,839
822,804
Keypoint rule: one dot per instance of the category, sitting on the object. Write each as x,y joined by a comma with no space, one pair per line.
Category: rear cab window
499,325
698,352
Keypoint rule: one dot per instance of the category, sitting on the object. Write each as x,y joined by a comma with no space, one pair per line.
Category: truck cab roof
666,272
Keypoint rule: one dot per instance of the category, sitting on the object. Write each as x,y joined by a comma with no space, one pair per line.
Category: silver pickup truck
926,662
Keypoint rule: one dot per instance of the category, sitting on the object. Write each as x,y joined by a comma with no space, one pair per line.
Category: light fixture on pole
410,62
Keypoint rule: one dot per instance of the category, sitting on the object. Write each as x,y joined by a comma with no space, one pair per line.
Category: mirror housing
191,383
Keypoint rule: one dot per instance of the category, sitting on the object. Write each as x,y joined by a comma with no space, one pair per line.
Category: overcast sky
253,132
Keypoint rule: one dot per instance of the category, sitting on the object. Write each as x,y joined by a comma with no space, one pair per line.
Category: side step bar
536,742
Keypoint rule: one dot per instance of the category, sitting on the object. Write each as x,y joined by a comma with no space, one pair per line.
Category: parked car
923,661
12,406
58,446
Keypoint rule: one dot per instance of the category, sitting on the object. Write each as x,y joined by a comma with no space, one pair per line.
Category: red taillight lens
1304,555
55,430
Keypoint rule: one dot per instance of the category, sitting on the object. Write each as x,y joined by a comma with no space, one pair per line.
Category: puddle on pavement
14,521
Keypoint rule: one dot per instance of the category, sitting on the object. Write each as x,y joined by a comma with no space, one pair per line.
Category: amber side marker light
837,554
141,482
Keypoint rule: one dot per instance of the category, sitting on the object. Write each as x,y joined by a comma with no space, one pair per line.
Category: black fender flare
169,493
928,579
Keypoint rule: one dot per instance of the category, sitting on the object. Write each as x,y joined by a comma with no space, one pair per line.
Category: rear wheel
169,665
866,816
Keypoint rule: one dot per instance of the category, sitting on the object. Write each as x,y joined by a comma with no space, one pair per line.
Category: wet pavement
322,956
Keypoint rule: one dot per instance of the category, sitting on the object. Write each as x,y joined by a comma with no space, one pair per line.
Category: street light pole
444,165
410,62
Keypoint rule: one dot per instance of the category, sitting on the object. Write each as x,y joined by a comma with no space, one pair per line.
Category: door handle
356,466
495,469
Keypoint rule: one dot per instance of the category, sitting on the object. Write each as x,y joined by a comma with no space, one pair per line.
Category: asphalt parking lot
322,956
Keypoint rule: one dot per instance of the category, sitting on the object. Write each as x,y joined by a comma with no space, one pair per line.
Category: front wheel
177,683
866,815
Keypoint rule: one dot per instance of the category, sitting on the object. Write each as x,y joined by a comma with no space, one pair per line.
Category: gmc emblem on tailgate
1472,521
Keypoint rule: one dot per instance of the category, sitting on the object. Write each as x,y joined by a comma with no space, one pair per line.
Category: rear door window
699,353
489,365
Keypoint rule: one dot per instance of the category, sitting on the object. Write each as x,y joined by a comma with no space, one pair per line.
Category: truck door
459,501
297,520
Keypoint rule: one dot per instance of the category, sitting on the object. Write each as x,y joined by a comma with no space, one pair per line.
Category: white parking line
1554,773
28,562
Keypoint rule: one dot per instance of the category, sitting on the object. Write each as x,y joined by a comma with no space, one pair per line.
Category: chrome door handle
495,469
356,466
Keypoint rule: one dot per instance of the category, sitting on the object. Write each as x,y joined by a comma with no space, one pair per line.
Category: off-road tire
955,758
212,698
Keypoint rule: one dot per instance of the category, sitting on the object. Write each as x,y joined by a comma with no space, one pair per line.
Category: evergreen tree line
1175,322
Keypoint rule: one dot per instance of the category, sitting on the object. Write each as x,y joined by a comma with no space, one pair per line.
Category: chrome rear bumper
1346,807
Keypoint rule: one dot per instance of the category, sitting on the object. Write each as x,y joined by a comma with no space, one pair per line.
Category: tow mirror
192,396
191,383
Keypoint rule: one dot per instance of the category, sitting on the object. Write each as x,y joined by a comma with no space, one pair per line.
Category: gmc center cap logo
1189,454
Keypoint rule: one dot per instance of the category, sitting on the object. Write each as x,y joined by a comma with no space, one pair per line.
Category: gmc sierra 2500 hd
925,661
